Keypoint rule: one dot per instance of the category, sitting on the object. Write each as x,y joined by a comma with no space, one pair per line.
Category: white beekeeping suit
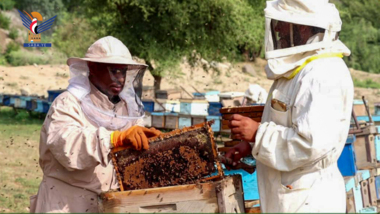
75,136
306,117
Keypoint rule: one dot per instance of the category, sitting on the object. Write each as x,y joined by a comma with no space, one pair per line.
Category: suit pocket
279,108
279,117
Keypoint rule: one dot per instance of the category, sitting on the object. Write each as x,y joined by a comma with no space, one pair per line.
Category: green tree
6,4
74,35
361,33
164,31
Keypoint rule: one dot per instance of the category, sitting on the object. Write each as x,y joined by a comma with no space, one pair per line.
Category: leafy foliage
164,31
368,83
13,33
361,33
7,4
22,57
4,22
74,35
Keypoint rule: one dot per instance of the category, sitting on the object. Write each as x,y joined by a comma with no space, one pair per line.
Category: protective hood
108,50
288,44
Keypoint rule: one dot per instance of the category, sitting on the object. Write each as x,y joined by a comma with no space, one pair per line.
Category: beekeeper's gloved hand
135,137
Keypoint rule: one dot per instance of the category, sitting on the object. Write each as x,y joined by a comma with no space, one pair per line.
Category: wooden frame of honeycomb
185,156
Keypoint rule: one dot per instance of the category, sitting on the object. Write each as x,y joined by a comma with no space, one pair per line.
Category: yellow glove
135,137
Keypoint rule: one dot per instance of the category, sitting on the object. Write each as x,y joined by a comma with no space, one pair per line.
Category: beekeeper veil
298,29
111,51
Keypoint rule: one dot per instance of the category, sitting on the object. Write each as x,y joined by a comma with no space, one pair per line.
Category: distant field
20,174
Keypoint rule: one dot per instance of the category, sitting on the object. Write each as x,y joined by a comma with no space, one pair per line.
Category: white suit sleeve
319,116
75,145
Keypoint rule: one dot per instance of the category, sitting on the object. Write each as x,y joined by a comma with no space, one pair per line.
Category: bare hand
237,152
243,128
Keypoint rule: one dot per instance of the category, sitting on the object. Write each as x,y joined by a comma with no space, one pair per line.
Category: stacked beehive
359,164
30,103
168,110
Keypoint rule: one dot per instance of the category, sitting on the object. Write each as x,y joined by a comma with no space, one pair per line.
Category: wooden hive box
166,105
17,102
350,202
197,119
194,107
184,120
352,183
359,108
170,94
179,157
223,196
171,120
365,151
148,92
216,126
372,191
158,119
253,112
365,194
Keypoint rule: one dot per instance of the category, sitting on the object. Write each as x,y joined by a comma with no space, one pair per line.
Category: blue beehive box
346,161
13,99
216,126
53,94
250,186
21,102
375,118
39,106
352,183
377,183
377,146
364,174
6,100
1,99
45,106
214,107
199,95
148,105
377,108
184,121
29,105
372,209
194,107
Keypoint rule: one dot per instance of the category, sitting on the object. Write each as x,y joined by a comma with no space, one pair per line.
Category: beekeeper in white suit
101,109
255,94
306,117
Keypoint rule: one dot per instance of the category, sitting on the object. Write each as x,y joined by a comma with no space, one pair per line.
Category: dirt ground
37,79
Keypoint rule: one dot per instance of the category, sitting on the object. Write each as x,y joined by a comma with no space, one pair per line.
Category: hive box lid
230,95
350,139
193,101
162,101
158,113
171,114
